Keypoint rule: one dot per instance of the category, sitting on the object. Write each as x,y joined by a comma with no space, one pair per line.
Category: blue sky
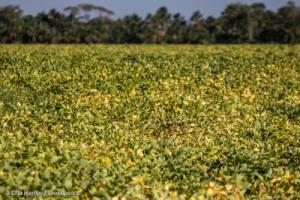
142,7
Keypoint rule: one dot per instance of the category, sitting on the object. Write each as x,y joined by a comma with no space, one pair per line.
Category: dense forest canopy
87,23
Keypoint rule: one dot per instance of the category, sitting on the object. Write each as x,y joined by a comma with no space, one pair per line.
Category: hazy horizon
127,7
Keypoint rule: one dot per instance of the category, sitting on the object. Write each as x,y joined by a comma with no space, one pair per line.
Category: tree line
87,23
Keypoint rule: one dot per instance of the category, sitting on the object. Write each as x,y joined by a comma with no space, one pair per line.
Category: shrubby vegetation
88,23
151,122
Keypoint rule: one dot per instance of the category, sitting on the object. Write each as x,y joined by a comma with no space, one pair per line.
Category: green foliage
88,23
151,122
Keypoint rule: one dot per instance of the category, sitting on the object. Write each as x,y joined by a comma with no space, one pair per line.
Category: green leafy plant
151,122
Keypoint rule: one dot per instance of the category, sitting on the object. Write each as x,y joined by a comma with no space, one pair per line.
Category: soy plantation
150,122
